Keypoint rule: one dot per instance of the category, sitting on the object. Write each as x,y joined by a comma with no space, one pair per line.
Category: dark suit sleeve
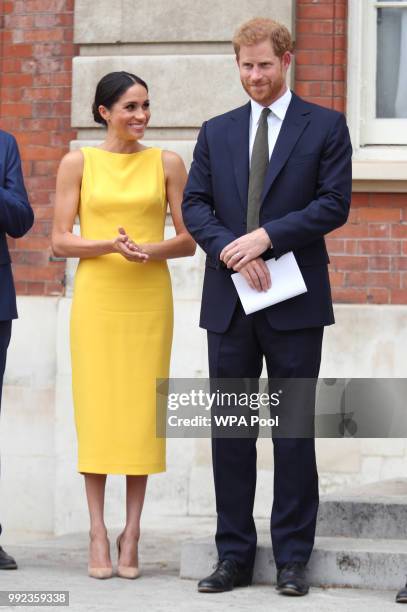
198,203
330,208
16,215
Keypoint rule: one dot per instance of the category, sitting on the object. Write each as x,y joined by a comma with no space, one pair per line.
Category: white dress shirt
274,120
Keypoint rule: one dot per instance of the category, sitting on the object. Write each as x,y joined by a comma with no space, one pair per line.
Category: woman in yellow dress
121,320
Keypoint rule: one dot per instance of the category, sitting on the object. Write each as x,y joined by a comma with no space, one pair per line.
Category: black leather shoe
227,575
401,596
6,562
291,579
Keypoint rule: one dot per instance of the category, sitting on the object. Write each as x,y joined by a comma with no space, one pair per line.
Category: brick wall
369,254
35,92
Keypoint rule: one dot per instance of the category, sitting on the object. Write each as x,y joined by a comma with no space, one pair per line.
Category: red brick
360,199
315,11
21,287
11,64
11,94
351,230
388,200
10,124
10,50
335,246
377,214
43,93
338,104
378,295
381,263
34,242
44,212
306,57
7,6
47,20
45,168
390,280
379,247
379,230
399,296
16,80
40,124
33,273
351,247
347,262
339,88
338,73
399,263
340,27
327,88
61,78
36,288
399,230
44,6
56,35
340,11
314,27
19,21
16,110
314,41
336,278
308,89
42,80
349,295
31,138
327,102
313,73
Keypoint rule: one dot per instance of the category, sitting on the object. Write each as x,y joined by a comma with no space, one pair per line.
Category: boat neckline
116,153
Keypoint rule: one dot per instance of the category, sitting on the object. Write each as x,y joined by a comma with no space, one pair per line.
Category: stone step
376,510
336,561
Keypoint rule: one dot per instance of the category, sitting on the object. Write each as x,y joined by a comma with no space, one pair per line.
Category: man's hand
244,249
257,274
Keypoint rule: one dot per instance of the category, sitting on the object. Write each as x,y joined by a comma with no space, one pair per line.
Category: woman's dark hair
110,88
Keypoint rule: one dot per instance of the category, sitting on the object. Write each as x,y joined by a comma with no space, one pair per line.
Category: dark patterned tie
258,169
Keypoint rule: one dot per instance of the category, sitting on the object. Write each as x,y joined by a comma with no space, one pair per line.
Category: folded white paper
286,282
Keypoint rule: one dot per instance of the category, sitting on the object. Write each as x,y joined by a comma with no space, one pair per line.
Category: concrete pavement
59,563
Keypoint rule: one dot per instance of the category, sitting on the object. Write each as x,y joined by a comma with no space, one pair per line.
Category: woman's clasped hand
131,251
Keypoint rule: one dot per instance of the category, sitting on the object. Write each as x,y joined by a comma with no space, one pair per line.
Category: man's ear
286,59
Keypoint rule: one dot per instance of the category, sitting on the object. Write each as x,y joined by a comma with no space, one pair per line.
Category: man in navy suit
16,218
267,178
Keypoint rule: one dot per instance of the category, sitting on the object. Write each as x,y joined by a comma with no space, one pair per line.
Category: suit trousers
5,335
238,353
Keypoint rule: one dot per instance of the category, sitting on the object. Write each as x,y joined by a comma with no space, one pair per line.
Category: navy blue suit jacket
16,218
306,194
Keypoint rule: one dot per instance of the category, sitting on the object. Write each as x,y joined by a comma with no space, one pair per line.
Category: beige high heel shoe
125,571
101,573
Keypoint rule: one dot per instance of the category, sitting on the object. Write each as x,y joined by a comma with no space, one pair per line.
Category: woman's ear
104,113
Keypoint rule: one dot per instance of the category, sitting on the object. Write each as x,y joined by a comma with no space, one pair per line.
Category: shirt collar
279,107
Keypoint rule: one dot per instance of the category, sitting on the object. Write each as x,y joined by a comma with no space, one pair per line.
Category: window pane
391,78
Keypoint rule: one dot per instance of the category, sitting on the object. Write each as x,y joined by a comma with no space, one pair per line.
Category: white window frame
362,77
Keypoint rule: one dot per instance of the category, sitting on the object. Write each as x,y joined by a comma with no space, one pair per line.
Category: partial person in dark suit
16,218
267,178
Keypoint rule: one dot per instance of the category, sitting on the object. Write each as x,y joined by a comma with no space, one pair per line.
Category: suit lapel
295,121
238,137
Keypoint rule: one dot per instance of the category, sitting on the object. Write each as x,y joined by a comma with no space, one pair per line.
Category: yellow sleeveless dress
121,318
